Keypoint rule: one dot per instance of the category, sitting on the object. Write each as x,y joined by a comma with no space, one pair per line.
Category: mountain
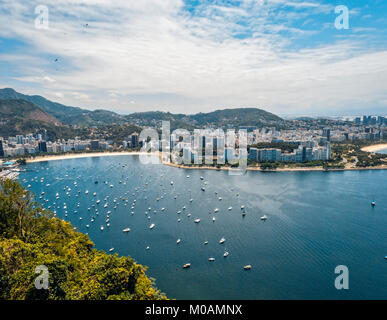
66,114
23,117
227,118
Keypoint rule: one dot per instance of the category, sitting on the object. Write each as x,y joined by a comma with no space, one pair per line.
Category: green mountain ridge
226,118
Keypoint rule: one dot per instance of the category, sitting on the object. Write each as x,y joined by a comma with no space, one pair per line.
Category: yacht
248,267
213,219
223,240
211,259
201,178
126,230
152,226
178,241
243,207
373,203
226,254
230,208
186,266
264,218
203,189
102,228
111,249
205,242
197,220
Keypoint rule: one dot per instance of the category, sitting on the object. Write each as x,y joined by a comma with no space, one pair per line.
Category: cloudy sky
192,56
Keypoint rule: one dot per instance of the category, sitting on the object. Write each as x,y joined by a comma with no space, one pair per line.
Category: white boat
190,200
243,207
111,249
226,254
205,242
171,183
197,220
248,267
178,241
223,240
152,226
203,189
211,259
126,230
213,219
102,228
201,178
94,194
98,201
186,266
373,203
87,191
264,218
230,208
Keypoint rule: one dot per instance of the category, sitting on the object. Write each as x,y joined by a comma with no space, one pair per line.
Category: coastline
204,167
375,148
82,155
294,169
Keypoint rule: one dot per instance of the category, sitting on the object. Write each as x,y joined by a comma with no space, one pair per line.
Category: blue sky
192,56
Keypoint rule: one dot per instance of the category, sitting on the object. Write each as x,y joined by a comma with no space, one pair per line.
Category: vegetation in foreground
31,236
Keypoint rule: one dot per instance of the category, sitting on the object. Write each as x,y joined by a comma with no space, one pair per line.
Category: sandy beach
375,148
83,155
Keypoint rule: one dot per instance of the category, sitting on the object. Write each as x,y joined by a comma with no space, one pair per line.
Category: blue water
316,221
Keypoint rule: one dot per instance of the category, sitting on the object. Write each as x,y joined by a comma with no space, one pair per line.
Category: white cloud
154,53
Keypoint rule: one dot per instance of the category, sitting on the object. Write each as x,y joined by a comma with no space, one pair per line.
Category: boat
213,219
230,208
226,254
373,203
248,267
171,183
243,207
211,259
126,230
186,266
102,228
87,191
264,218
178,241
203,189
201,178
197,220
216,210
111,249
223,240
152,226
205,242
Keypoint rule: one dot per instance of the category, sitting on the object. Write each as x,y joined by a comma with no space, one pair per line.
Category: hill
23,117
66,114
31,236
227,118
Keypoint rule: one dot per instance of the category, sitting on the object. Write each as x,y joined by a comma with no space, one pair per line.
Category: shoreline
204,167
295,169
82,155
375,148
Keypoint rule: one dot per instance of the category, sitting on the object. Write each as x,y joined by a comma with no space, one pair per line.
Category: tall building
1,148
134,140
327,133
42,146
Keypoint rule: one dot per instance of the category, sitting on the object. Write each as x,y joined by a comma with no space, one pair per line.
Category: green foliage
31,236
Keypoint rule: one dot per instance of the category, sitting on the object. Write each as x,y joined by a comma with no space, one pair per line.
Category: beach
375,148
83,155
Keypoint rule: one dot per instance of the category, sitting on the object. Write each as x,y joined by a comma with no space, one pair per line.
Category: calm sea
316,221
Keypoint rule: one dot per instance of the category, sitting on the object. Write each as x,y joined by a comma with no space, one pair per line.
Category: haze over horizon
285,57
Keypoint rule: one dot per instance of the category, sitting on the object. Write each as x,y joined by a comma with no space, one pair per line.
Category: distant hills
65,114
59,114
21,117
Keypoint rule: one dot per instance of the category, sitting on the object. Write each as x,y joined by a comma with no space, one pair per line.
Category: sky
191,56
